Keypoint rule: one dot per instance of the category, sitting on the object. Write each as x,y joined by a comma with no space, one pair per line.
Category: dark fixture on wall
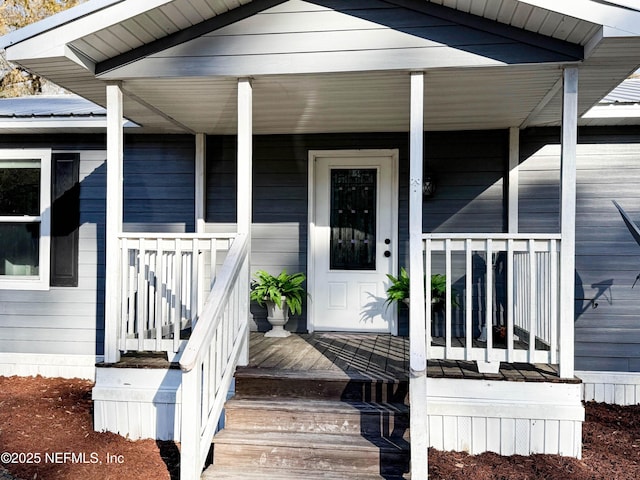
429,185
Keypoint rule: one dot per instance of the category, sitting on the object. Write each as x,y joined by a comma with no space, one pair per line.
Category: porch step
287,424
350,454
321,384
224,473
318,416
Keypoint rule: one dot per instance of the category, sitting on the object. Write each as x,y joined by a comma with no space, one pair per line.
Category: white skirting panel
138,403
508,418
48,365
619,388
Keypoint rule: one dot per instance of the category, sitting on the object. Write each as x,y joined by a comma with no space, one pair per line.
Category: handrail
174,235
204,330
494,236
210,357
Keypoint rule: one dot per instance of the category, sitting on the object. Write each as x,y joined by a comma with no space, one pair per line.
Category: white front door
352,239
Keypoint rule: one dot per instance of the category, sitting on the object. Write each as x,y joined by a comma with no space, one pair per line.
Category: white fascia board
619,18
57,38
613,111
55,124
59,123
54,21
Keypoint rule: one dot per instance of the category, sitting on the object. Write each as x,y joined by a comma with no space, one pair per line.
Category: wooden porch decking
377,356
382,356
370,355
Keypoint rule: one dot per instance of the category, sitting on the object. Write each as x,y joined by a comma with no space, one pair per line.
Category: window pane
19,187
19,249
353,219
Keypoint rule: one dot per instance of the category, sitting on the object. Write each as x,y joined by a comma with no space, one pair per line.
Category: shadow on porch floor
375,355
371,355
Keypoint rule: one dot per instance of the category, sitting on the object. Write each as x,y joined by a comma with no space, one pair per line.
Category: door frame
393,155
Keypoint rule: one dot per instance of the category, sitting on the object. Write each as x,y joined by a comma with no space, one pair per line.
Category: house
225,135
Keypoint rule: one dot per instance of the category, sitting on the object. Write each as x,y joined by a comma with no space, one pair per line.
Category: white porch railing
503,284
164,280
209,359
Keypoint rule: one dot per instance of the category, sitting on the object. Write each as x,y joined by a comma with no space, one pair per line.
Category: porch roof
121,39
52,113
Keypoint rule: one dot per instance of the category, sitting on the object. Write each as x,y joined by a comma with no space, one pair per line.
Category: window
25,210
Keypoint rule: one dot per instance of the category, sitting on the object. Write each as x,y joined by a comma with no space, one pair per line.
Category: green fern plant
399,289
267,287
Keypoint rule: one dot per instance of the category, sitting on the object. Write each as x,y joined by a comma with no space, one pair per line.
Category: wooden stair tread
334,375
312,405
316,441
321,385
241,472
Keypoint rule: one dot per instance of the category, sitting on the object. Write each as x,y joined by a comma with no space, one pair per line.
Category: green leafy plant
267,287
399,289
439,291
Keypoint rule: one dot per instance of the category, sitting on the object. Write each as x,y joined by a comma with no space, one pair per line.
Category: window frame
41,281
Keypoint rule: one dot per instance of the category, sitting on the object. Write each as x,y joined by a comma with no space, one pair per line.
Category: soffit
470,98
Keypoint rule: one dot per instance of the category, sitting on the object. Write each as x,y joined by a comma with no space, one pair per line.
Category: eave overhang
341,92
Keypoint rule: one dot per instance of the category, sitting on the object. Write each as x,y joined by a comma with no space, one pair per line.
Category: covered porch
206,324
412,69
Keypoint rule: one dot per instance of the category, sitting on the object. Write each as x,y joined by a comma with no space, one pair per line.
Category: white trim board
49,365
508,418
618,388
138,403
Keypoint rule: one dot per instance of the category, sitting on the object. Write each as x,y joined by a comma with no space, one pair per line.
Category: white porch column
568,219
417,328
245,171
514,181
200,186
245,133
115,142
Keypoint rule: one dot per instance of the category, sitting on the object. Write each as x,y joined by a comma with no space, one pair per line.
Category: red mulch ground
54,416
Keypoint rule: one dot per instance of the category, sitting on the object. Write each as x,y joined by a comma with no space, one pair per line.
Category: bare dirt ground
46,433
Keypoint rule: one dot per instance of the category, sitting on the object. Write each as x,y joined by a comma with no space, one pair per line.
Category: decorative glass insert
353,219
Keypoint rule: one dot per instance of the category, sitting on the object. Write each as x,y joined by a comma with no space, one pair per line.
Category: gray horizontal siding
469,168
65,320
159,189
607,257
159,174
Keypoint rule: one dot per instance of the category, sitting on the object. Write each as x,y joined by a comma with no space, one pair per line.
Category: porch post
245,171
513,179
115,142
417,328
200,186
568,219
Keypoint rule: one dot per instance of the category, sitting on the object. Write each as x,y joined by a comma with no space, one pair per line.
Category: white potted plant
282,294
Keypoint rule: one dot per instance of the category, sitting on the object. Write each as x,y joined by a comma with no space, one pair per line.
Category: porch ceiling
474,97
353,102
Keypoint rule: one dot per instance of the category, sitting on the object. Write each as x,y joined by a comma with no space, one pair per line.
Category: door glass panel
353,219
